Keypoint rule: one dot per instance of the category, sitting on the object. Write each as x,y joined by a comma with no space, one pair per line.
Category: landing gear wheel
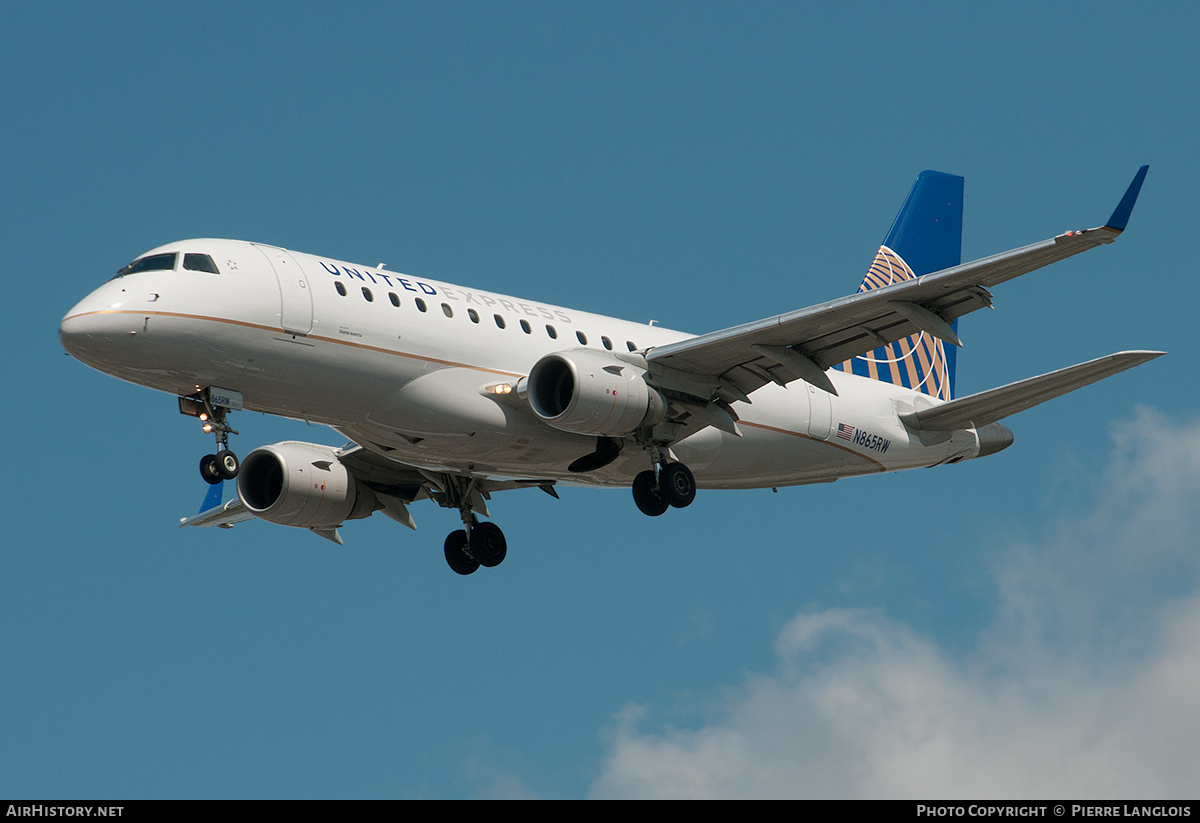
457,553
677,485
488,544
647,495
227,464
210,470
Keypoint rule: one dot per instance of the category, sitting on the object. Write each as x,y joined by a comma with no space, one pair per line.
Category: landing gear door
296,311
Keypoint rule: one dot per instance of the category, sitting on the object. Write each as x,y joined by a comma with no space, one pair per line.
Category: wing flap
831,332
837,330
995,404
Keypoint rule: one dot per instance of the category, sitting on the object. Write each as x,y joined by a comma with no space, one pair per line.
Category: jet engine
301,484
585,392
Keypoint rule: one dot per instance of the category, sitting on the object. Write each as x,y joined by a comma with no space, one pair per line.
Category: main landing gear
482,544
665,486
476,543
223,465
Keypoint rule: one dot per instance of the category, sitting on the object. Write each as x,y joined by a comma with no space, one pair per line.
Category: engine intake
301,484
584,392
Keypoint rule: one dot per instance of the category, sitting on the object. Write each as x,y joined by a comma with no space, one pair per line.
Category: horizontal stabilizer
996,404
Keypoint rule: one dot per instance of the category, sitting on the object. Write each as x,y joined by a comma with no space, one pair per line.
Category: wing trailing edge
749,356
995,404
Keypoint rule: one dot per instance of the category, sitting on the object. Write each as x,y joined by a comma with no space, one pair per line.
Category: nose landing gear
223,465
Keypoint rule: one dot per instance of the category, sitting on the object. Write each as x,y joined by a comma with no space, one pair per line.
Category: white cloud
1084,686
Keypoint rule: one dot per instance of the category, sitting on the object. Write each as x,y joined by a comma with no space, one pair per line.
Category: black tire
209,469
677,485
456,553
227,464
648,496
488,544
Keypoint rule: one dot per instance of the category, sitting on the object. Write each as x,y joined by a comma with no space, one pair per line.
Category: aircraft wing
996,404
804,343
387,476
223,515
394,484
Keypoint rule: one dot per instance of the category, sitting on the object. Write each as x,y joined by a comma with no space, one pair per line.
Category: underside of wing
223,515
804,343
375,482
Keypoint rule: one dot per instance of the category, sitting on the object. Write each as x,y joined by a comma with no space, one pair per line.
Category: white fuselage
406,381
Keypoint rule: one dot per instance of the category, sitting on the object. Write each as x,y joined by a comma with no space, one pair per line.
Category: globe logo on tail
916,362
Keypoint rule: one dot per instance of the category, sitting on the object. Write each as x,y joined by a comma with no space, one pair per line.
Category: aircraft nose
93,325
75,332
79,330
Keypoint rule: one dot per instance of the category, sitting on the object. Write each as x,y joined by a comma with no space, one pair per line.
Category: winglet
213,498
1120,217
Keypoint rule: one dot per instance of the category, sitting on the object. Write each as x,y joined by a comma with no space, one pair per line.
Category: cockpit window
153,262
200,262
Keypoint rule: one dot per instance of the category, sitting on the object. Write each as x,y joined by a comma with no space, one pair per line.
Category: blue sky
1024,625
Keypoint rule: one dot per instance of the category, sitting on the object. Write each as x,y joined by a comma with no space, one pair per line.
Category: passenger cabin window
499,321
367,294
420,304
200,262
446,310
550,331
153,262
474,315
629,344
607,343
395,300
525,327
340,288
581,337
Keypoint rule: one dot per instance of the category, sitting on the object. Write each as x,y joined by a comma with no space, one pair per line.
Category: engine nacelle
301,484
585,392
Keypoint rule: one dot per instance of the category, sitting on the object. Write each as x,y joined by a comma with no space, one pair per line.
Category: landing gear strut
476,543
665,486
224,464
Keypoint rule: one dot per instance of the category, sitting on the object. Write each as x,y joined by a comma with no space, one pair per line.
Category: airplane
452,394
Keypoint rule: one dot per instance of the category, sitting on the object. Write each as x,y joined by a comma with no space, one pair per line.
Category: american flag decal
845,432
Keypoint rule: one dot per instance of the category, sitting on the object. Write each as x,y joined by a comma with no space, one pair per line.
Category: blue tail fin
925,237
